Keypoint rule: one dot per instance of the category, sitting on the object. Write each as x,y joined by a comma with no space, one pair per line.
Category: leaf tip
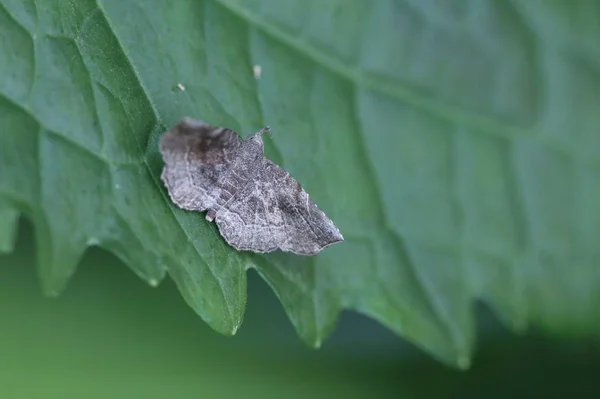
464,363
51,290
235,327
316,342
92,242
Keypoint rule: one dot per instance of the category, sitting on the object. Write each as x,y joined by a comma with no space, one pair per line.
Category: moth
256,205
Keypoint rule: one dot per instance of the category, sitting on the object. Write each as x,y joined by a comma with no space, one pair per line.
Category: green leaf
455,144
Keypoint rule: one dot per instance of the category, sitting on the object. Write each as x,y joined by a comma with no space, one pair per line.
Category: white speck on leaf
257,71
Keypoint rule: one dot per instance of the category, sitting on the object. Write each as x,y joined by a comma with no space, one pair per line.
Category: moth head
256,138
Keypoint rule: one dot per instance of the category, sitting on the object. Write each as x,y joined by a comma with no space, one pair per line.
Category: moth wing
275,212
196,154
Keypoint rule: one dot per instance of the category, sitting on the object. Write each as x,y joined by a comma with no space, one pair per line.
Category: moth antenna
266,129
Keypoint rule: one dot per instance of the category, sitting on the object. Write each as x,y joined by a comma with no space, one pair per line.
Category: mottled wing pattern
274,212
196,155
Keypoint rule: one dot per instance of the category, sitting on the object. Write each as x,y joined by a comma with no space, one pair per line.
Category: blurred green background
111,336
